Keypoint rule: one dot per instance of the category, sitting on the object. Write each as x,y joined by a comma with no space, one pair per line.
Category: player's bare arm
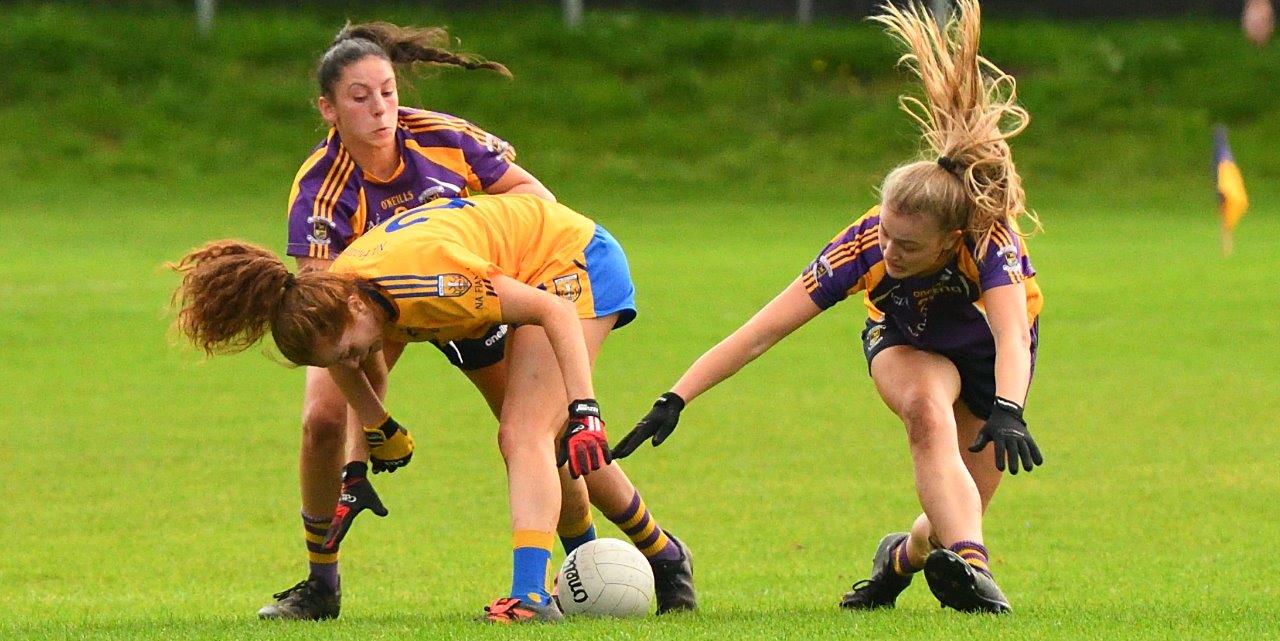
786,313
517,180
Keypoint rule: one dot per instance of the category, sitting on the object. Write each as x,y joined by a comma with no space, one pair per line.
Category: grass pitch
153,493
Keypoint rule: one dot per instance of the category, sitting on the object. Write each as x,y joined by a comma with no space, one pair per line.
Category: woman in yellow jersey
378,160
450,270
953,309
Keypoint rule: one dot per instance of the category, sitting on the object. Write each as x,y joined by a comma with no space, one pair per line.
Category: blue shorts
611,285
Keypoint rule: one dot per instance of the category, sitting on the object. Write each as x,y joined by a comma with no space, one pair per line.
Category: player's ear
356,304
327,110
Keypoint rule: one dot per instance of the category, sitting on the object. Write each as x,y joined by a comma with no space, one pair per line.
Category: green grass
153,494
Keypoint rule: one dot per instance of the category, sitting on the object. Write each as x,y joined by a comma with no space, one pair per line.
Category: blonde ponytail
968,113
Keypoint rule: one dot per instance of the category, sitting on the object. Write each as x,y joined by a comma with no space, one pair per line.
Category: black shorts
477,353
977,374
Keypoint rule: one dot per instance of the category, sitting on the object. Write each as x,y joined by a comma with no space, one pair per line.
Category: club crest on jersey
568,287
1010,254
496,145
320,227
875,335
821,268
451,285
440,189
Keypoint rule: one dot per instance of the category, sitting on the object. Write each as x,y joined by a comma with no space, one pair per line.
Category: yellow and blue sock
643,530
531,552
974,554
574,535
322,563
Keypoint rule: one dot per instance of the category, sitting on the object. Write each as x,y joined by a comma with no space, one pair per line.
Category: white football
605,578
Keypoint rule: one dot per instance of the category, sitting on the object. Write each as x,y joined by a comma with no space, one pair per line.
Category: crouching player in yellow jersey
378,160
953,307
451,270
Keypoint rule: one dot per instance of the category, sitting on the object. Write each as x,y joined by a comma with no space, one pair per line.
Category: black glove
357,496
390,446
659,423
1009,432
584,446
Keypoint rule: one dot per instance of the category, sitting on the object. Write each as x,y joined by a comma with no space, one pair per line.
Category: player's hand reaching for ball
357,496
658,424
585,448
390,446
1013,441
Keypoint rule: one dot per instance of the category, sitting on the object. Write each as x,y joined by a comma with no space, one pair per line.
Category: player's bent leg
319,472
920,387
672,562
971,588
324,449
959,576
618,499
924,540
527,429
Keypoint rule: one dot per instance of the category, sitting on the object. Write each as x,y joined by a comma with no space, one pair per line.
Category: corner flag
1232,201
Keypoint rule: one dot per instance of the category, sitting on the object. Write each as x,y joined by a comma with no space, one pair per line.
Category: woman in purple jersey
952,301
380,159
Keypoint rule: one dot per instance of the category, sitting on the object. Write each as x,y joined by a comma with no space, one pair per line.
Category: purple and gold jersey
436,262
333,202
939,312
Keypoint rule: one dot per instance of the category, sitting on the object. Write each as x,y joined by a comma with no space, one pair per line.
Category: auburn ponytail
232,293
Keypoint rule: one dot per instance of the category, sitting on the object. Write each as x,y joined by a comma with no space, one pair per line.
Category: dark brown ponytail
401,46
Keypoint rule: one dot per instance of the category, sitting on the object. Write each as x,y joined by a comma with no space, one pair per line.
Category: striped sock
643,530
531,551
974,554
323,563
573,536
901,564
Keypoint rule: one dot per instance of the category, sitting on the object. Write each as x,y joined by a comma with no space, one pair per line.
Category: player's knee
322,430
925,418
510,440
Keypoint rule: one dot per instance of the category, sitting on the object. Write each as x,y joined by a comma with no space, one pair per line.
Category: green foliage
633,101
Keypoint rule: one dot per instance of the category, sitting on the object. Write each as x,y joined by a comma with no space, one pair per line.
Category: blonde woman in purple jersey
953,307
380,159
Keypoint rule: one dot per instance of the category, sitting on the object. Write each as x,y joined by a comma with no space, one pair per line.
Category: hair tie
289,279
948,163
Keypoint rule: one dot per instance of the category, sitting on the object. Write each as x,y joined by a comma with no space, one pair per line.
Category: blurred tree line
822,9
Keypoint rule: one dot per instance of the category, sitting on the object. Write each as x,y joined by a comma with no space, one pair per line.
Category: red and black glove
584,446
357,496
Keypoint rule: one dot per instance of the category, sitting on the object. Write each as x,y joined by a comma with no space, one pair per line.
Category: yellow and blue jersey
942,311
332,201
434,264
